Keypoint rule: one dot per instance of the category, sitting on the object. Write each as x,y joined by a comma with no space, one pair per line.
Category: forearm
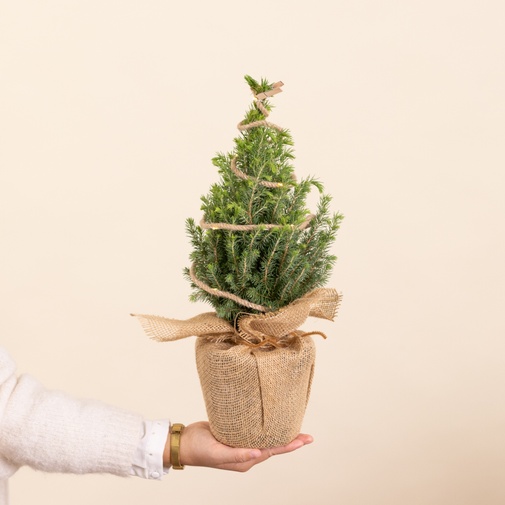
54,432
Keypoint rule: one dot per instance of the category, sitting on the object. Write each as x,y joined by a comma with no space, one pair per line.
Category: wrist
166,453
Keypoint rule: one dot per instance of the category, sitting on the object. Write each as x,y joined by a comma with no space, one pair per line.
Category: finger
297,443
307,439
236,456
292,446
245,455
241,460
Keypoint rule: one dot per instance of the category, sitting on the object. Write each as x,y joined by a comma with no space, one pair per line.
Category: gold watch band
175,446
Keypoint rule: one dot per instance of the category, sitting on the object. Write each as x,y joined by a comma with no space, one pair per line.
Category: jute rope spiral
248,227
245,177
224,294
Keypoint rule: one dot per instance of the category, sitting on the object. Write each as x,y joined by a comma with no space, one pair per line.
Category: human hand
200,448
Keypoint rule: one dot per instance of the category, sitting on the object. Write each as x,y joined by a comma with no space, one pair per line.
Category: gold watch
175,446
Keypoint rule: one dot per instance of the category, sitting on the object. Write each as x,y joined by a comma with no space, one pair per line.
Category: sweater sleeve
54,432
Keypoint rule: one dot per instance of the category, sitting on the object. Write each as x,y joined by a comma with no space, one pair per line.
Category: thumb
245,455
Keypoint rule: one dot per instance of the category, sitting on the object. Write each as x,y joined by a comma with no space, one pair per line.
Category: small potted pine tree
260,258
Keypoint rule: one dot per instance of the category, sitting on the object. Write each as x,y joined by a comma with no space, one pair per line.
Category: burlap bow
273,329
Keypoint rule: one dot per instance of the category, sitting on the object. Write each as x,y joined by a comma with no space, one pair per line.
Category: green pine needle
268,267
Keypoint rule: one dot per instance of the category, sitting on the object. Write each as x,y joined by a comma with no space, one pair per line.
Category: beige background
110,113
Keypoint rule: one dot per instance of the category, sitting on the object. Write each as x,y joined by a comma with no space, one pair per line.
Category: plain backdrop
110,114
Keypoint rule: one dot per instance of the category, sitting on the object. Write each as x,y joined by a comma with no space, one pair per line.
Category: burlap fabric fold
256,376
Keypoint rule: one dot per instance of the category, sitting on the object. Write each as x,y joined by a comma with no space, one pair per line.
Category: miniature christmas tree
258,248
260,258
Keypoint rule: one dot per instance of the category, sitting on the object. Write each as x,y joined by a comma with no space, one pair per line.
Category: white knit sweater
53,432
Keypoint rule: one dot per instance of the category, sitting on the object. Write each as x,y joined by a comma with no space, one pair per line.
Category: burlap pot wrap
255,398
256,375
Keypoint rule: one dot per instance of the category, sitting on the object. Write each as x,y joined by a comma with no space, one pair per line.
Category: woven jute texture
254,397
256,374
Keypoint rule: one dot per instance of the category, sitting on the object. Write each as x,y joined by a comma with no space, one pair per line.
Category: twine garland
251,227
245,177
223,294
248,227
